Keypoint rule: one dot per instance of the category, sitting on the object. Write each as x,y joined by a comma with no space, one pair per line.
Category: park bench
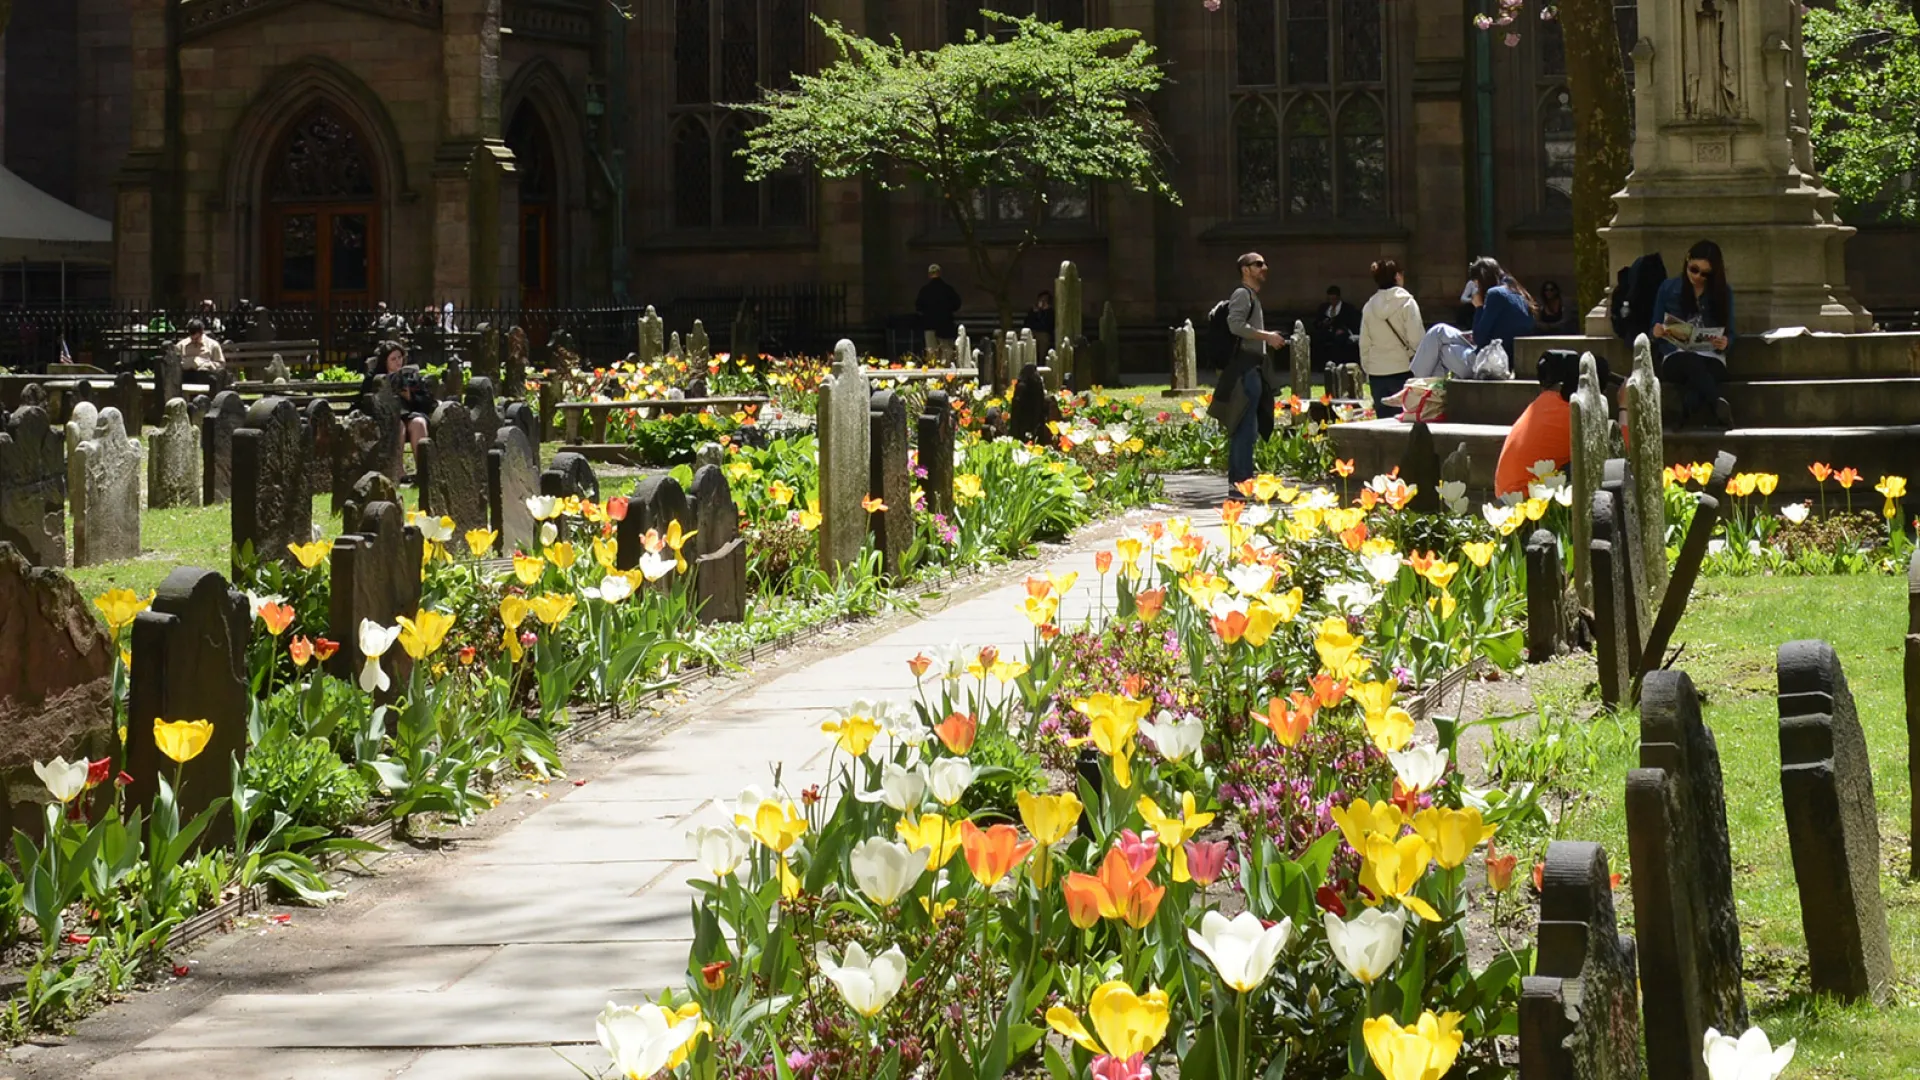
252,357
593,415
921,374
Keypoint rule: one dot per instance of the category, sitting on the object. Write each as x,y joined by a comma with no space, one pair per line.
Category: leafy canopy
1863,59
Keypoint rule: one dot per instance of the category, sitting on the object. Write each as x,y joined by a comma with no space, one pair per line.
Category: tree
1863,65
1042,110
1602,136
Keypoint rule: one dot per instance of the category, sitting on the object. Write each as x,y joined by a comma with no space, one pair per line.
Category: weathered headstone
674,348
372,487
486,359
1578,1019
652,343
190,663
552,424
1546,597
453,468
1826,784
519,414
1617,479
699,349
1684,912
481,405
1611,603
1457,467
962,350
224,414
1053,371
513,475
323,441
720,569
1420,468
271,505
1068,311
1686,570
33,487
517,352
375,445
890,481
173,460
570,474
167,374
375,574
1109,344
276,371
106,502
1028,410
131,399
933,436
1300,357
846,435
709,453
1186,376
1648,453
655,504
83,419
56,684
1589,409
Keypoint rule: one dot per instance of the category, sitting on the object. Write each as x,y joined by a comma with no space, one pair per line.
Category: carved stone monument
271,505
224,414
933,437
1648,455
890,482
720,565
106,494
33,487
1590,420
845,438
513,474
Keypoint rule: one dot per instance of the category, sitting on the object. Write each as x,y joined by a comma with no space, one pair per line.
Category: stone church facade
557,152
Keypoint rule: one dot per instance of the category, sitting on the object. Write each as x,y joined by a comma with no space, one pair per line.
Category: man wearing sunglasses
1243,402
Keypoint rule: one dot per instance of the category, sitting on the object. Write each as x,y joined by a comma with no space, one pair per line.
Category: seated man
198,350
1545,431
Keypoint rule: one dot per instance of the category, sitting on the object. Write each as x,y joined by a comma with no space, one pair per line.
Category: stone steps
1806,356
1765,403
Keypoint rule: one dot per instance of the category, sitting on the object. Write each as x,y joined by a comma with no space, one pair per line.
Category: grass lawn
1732,633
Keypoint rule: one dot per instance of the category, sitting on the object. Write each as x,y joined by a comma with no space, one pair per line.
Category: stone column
473,171
1438,188
146,234
853,215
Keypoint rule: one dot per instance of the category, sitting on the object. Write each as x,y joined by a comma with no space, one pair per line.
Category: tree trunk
1602,137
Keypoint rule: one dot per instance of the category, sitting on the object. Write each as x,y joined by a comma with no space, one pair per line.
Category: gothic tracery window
1309,130
963,16
322,159
725,52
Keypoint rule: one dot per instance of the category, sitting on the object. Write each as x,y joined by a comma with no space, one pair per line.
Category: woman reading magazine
1692,326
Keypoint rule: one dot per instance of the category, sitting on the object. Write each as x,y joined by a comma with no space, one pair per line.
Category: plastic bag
1491,364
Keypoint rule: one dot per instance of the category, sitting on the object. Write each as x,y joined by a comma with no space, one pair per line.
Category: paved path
516,941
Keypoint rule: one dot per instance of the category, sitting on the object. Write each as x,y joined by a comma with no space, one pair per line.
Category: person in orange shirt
1545,431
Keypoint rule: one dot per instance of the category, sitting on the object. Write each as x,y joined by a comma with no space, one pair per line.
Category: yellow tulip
1535,509
1374,697
1114,720
1441,574
790,884
1337,648
181,740
551,608
1766,482
1452,834
1390,730
1479,554
1262,620
480,542
120,606
1203,588
777,825
1284,606
934,834
1039,610
675,540
1423,1050
810,517
606,551
513,611
1361,818
1128,548
422,635
1893,487
1391,868
1049,818
1125,1023
1445,602
309,555
1173,832
563,555
528,568
1063,583
966,488
854,733
510,643
780,492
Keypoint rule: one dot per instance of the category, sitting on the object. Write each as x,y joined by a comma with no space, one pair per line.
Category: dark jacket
415,396
1502,318
1336,337
1671,302
1246,319
937,305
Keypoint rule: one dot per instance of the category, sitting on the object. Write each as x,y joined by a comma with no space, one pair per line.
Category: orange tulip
919,665
1244,487
1149,602
277,617
1820,471
1116,892
1500,869
992,853
324,648
1102,562
1327,690
301,649
957,732
1289,720
1083,894
1355,537
1847,476
1038,587
1344,468
1422,561
1230,511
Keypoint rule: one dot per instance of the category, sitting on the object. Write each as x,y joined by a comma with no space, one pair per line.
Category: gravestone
1589,409
173,460
1186,375
106,502
652,343
131,399
674,348
1686,570
520,415
1052,372
323,441
375,574
743,343
513,475
486,359
1457,467
551,425
276,370
709,453
699,349
1684,911
372,487
1612,635
655,504
1826,784
1577,1010
56,685
374,443
516,363
33,487
453,468
190,663
962,349
1546,597
224,415
1109,344
1068,311
1912,673
846,434
1027,411
1617,479
890,480
1420,468
35,394
933,436
271,504
1648,455
83,420
167,374
481,404
720,568
1300,357
570,474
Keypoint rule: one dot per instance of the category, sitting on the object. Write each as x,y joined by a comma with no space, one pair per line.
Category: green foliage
1863,62
307,781
1008,768
670,440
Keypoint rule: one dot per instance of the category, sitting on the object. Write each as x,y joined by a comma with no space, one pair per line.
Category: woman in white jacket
1390,329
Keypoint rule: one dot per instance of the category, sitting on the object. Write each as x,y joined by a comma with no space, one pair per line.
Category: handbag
1424,401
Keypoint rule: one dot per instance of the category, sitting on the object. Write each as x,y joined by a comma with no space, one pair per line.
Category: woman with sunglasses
1701,299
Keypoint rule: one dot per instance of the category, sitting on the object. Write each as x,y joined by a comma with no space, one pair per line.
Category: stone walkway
483,965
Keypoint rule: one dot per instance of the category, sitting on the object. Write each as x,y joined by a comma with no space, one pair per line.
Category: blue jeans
1240,445
1385,386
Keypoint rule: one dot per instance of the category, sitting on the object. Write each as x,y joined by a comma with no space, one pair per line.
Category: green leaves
1863,64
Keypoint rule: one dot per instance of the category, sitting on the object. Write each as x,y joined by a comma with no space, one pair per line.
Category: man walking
937,305
1243,402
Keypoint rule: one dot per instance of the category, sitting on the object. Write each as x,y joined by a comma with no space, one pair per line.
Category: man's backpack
1217,343
1636,289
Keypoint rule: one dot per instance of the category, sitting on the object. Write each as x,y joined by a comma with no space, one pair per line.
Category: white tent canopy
36,227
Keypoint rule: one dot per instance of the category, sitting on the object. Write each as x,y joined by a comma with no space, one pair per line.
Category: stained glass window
725,53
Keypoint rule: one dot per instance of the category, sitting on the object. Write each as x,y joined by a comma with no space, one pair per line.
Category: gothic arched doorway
533,160
322,224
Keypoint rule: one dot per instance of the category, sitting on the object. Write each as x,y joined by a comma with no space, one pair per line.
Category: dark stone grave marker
190,663
1578,1019
225,413
1546,597
513,475
272,507
33,487
720,581
375,575
890,480
934,439
453,468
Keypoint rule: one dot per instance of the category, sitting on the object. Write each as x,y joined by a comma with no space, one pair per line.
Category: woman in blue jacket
1700,296
1502,309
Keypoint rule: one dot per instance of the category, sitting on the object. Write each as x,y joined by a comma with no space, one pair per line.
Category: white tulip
900,787
549,532
64,779
1251,580
640,1039
903,727
437,529
1383,567
719,849
1351,597
1419,767
256,601
613,588
747,805
542,507
1256,515
1369,944
654,565
1750,1057
1453,490
1564,496
1175,736
866,984
1495,514
885,870
375,640
1795,513
949,779
1319,499
1225,607
1544,468
1241,949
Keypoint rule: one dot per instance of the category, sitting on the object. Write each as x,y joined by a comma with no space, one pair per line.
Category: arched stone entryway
320,225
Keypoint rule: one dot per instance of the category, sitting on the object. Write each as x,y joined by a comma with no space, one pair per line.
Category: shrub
305,779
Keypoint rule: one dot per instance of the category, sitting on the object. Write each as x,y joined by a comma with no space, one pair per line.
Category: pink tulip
1204,861
1140,852
1114,1068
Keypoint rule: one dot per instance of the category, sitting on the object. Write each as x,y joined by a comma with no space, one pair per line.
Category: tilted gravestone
516,363
1546,597
699,349
323,439
720,569
552,424
1457,467
652,339
486,358
1617,480
371,488
33,487
173,460
933,436
1686,570
513,475
56,685
224,415
106,504
1684,911
371,439
375,574
1300,358
656,503
478,396
1589,408
1826,784
890,481
83,421
1028,413
570,475
167,374
1611,603
1420,468
846,434
519,414
1647,452
271,505
1577,1011
453,468
190,663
